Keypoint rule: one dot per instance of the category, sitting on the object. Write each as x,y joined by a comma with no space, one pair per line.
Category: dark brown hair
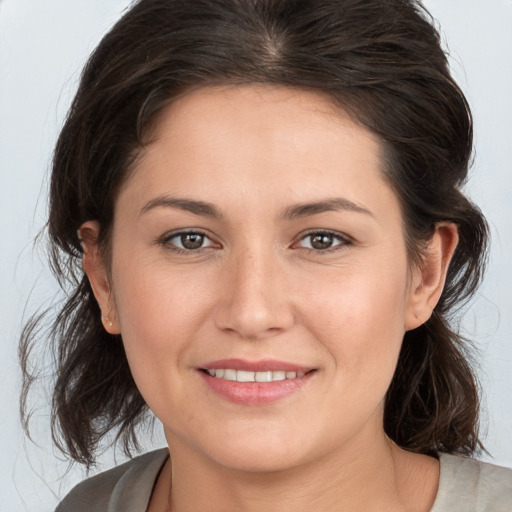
382,62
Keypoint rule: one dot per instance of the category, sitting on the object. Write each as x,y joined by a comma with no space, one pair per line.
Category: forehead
267,110
246,142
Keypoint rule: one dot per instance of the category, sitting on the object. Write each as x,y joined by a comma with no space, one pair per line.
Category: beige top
465,485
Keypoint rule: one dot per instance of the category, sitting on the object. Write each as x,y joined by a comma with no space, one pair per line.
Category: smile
255,383
249,376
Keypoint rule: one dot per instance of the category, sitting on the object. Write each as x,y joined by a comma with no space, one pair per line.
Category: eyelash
343,240
166,241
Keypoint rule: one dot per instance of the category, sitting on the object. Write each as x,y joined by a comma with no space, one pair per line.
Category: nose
255,302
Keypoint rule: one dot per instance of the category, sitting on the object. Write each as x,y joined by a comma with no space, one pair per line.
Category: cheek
359,316
153,296
158,314
159,309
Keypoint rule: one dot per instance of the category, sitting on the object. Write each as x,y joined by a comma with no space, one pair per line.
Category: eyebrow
327,205
188,205
292,212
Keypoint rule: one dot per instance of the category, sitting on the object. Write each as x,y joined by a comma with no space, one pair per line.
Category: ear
428,280
95,268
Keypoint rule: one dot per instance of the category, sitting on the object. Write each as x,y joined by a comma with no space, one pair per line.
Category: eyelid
344,240
165,240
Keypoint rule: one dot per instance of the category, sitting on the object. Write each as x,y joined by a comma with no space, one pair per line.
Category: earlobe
428,280
96,270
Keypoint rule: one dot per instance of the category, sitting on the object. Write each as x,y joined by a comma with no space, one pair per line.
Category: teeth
228,374
246,376
243,376
263,376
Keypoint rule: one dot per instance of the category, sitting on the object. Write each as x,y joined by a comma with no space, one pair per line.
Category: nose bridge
254,303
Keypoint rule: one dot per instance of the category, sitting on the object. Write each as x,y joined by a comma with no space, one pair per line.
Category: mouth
254,376
255,382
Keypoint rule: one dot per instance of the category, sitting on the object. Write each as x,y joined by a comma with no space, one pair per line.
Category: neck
373,477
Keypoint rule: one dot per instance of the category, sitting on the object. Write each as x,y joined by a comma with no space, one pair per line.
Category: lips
254,382
265,365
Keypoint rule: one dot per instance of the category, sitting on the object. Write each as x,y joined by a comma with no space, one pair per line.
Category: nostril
255,319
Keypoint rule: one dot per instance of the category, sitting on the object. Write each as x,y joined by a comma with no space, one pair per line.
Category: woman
260,203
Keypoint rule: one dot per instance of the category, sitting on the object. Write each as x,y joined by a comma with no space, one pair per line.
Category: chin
264,460
256,449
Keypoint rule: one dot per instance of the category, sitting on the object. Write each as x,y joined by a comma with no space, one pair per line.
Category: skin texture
256,289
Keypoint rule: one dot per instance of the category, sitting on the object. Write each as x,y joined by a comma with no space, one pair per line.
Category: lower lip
255,393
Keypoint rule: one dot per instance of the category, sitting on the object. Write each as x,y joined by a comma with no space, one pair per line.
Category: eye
188,241
322,241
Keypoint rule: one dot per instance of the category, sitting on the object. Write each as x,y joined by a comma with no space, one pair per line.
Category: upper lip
265,365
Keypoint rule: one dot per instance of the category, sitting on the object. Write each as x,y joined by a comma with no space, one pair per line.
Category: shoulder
124,488
473,486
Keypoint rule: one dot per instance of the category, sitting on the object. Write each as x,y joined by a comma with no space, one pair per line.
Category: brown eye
321,241
192,240
188,241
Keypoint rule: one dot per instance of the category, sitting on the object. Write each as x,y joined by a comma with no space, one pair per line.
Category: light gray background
43,45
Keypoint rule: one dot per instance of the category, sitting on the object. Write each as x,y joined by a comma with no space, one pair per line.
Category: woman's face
257,240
